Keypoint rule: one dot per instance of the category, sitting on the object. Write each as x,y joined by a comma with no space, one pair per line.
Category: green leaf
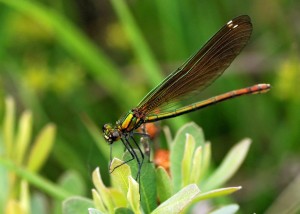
215,193
229,209
196,168
119,175
206,159
41,148
179,201
98,202
102,190
147,181
9,125
71,179
187,159
133,195
23,136
94,211
77,205
118,197
164,184
123,210
177,150
229,165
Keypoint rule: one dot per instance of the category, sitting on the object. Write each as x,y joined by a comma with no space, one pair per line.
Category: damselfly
198,72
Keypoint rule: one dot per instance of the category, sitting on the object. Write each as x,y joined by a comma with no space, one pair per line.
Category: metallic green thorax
127,124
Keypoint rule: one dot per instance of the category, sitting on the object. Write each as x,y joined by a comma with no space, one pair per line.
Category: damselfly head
110,133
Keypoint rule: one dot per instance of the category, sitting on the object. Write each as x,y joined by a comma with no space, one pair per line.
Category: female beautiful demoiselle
198,72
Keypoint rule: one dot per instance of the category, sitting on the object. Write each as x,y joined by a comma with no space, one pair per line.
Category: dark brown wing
202,68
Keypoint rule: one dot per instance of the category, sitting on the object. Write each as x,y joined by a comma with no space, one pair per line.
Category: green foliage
174,197
20,161
81,67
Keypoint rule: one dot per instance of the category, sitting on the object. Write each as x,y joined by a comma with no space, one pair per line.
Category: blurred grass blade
25,197
102,190
94,132
79,46
23,136
169,13
41,148
36,180
179,201
142,50
164,184
229,166
187,159
9,125
288,201
133,195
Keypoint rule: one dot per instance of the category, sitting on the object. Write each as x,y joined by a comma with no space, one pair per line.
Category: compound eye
106,127
115,135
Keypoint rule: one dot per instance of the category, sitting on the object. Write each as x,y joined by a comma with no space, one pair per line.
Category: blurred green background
81,64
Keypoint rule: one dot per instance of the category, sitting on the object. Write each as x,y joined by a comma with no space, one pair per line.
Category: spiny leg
129,149
145,138
139,163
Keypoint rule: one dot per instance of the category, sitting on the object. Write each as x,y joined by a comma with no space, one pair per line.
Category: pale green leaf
102,190
196,168
71,179
229,165
98,202
41,148
77,205
119,175
133,195
177,150
94,211
179,201
206,159
229,209
147,181
187,159
215,193
119,199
